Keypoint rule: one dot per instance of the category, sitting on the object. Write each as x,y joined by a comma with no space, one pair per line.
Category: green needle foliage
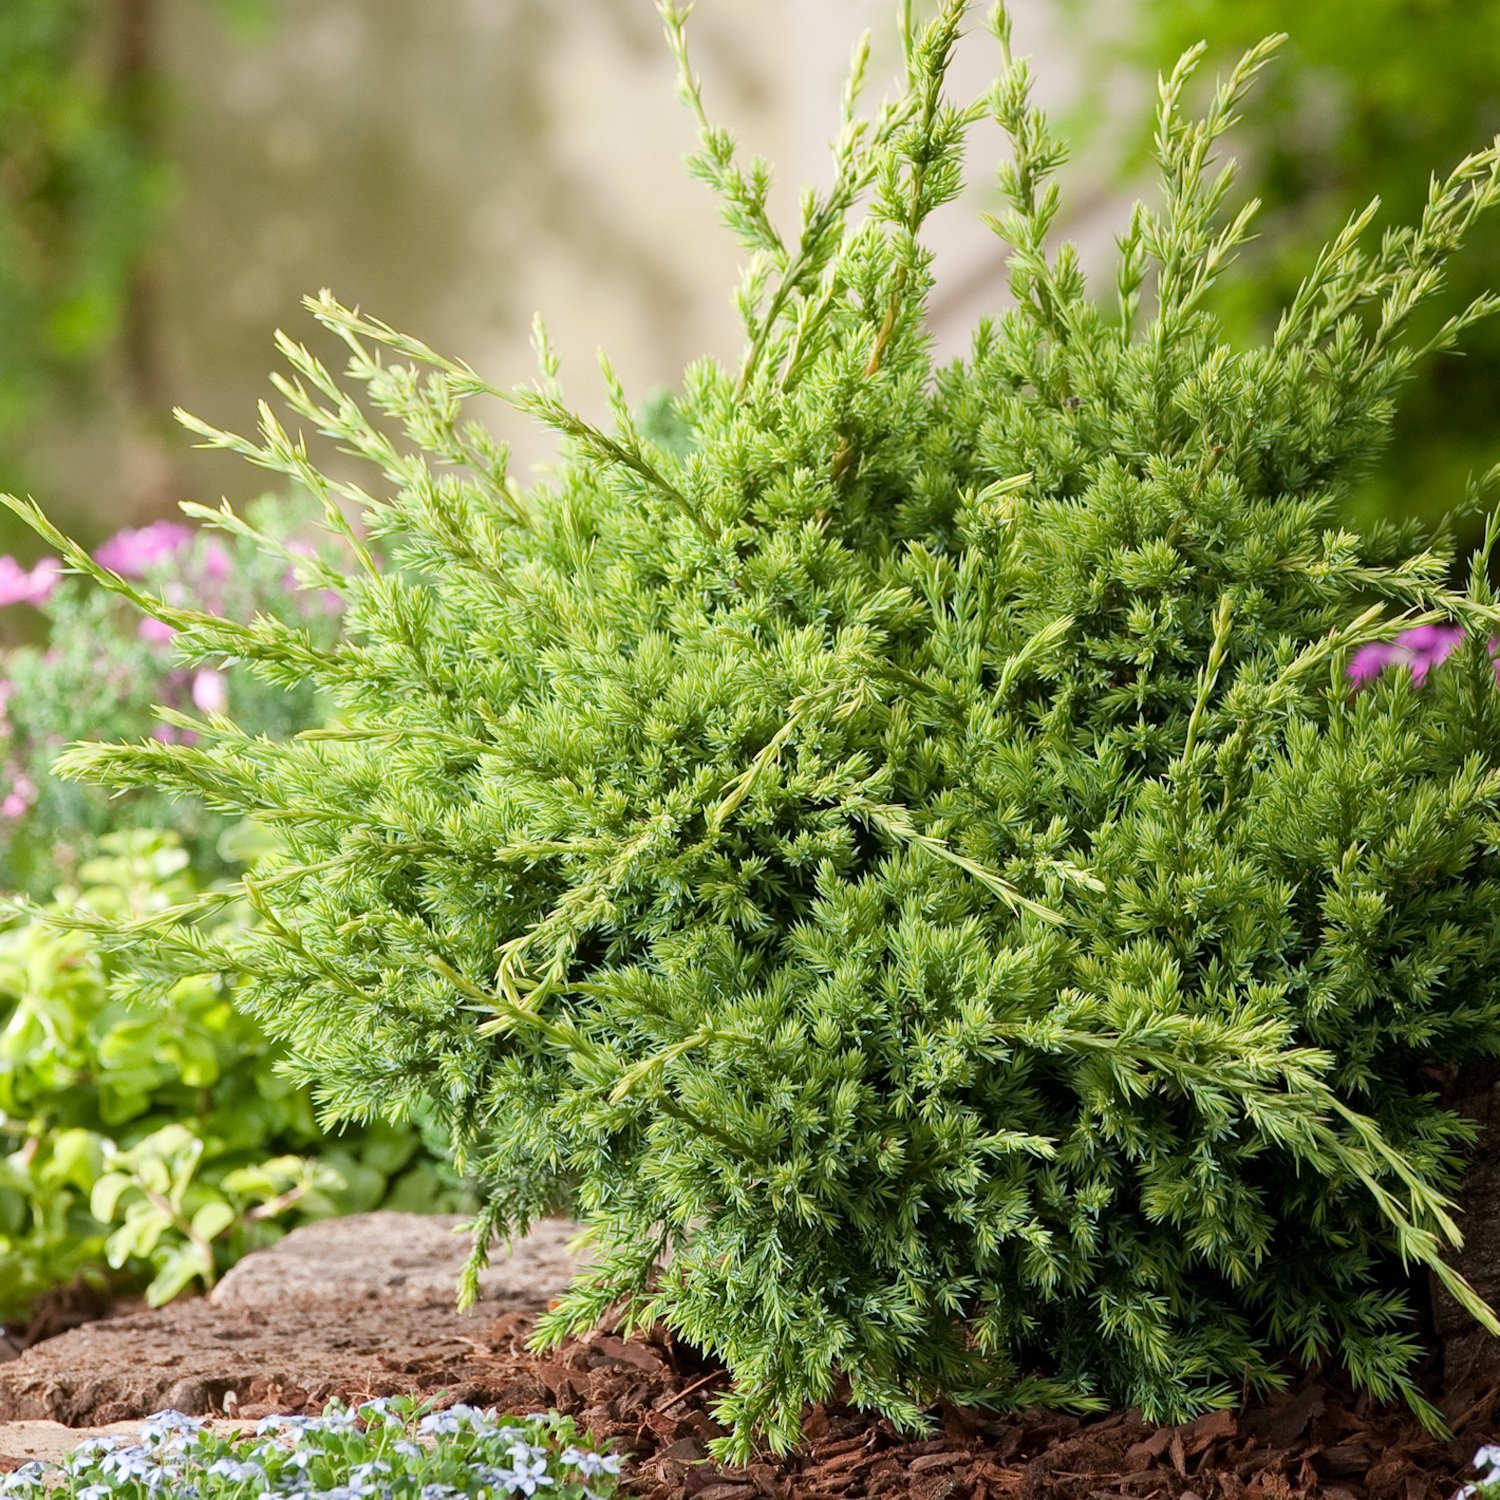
896,847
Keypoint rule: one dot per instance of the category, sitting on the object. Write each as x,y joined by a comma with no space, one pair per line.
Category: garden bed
240,1355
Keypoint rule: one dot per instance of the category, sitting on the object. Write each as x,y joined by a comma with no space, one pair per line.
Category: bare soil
651,1397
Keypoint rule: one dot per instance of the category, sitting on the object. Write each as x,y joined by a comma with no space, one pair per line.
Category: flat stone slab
387,1255
362,1306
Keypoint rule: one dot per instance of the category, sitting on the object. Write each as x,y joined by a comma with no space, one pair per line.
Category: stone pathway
364,1304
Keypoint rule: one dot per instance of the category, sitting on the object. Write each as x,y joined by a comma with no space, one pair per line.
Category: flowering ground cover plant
1487,1486
156,1137
103,669
392,1449
897,847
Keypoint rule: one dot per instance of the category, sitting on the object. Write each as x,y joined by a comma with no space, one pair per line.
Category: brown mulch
651,1398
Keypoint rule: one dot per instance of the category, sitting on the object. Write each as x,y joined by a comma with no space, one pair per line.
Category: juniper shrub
895,846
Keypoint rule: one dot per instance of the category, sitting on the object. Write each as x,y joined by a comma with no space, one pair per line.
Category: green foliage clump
100,674
160,1140
898,849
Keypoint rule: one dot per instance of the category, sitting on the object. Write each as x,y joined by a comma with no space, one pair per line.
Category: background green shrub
1368,96
84,185
152,1136
903,855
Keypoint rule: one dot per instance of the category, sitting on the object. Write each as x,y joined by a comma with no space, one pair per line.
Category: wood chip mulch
651,1398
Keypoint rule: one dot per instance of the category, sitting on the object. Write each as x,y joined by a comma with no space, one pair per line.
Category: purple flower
1418,650
19,585
1428,640
1429,645
131,552
1370,661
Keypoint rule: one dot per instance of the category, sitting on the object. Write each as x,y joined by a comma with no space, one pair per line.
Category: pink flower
19,586
20,797
210,691
44,578
217,564
298,548
130,553
158,632
1419,650
170,734
1370,661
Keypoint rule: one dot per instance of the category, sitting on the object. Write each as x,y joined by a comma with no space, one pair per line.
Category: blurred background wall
175,174
453,168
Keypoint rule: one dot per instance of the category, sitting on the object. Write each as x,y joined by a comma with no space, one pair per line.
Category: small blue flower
238,1470
129,1462
380,1408
86,1452
277,1420
362,1477
169,1419
590,1464
527,1474
453,1419
21,1481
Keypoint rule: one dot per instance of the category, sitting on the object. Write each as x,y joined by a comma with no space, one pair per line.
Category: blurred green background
1368,99
174,174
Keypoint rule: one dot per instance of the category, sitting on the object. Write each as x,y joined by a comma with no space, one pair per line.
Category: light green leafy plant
158,1136
900,851
171,1220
